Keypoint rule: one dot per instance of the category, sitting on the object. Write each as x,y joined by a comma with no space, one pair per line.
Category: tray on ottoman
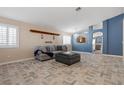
67,58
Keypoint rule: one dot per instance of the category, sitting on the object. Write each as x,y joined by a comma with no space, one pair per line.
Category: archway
97,42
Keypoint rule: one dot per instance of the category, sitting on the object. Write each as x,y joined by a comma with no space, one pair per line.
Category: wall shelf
43,32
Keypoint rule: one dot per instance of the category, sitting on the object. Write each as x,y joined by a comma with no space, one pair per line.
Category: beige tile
94,69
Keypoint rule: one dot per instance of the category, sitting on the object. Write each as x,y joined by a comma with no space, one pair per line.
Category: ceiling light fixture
78,9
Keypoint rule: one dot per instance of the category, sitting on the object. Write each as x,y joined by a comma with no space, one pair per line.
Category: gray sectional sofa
41,52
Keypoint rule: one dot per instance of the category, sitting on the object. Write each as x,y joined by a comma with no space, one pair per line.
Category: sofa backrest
64,48
51,48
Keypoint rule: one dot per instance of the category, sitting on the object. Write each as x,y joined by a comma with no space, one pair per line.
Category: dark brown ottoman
67,58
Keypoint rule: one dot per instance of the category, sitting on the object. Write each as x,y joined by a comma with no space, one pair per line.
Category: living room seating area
63,45
41,53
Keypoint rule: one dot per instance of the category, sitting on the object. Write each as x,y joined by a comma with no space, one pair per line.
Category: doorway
97,43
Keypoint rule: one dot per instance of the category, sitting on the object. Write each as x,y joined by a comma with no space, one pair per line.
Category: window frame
17,36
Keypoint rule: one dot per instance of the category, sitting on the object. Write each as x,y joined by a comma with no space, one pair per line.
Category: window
8,36
98,26
66,40
97,34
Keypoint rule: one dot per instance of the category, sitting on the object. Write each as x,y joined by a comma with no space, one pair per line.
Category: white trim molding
15,61
98,54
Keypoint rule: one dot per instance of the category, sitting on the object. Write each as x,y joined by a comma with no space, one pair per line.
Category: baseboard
15,61
98,54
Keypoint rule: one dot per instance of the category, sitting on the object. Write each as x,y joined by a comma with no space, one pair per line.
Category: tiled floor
93,69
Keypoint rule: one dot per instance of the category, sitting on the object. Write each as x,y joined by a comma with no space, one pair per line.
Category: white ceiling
61,18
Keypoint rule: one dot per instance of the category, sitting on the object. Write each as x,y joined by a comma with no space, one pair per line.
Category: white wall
27,41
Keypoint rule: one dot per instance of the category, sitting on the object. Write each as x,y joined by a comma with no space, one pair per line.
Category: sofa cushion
42,57
55,52
55,47
64,48
43,48
59,48
52,48
48,48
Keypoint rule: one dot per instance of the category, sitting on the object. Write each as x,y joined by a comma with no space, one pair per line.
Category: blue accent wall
115,35
112,37
105,37
84,47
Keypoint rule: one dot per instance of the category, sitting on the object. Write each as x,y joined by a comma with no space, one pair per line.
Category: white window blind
66,39
8,36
